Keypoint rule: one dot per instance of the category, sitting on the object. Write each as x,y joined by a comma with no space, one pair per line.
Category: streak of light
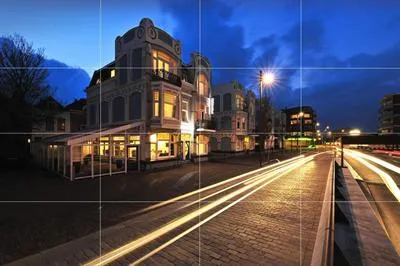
377,161
127,248
245,182
387,179
196,192
194,227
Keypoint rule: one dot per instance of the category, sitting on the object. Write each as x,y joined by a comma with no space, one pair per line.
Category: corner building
148,87
145,109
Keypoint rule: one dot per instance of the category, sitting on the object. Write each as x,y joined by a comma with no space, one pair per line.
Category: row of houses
147,108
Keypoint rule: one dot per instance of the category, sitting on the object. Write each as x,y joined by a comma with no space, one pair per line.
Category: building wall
154,63
234,117
390,114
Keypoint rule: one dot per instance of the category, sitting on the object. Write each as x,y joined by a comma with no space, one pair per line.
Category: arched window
226,123
202,85
135,106
227,102
217,103
118,109
92,114
105,112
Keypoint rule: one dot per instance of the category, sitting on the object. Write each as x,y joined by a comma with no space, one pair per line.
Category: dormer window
113,73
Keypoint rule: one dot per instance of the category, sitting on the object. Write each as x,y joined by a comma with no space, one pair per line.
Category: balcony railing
161,74
206,124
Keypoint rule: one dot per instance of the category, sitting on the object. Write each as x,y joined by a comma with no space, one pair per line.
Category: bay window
170,105
156,103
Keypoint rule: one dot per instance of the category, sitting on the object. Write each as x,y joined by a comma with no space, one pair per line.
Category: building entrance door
132,156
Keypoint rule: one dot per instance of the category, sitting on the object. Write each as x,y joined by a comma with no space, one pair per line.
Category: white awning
106,131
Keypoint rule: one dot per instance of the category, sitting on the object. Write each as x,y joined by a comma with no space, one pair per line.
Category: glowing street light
317,124
301,114
268,78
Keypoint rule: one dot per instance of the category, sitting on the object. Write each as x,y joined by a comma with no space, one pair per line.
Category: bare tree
22,74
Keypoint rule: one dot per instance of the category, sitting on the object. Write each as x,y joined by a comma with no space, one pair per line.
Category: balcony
162,75
206,124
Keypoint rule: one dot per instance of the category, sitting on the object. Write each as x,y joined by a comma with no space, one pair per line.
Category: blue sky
239,37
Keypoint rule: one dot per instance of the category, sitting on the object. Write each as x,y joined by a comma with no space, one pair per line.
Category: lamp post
267,78
260,112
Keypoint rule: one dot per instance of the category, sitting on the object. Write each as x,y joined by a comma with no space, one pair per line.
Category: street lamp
266,78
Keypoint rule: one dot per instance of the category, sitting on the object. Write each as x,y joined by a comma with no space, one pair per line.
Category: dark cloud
351,97
342,98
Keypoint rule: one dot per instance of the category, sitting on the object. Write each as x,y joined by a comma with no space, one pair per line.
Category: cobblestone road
274,226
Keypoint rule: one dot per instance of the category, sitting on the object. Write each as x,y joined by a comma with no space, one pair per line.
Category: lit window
185,111
134,140
294,122
156,102
162,145
113,73
202,144
170,105
202,84
293,116
306,115
161,62
239,102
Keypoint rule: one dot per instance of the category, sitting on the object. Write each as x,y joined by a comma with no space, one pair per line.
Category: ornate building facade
148,85
234,117
144,109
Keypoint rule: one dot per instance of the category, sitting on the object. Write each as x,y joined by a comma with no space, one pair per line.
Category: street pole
260,110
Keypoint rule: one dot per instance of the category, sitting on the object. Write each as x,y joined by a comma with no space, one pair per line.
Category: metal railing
324,247
163,75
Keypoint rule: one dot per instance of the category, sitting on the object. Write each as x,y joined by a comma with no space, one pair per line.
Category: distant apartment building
390,114
300,126
234,118
144,109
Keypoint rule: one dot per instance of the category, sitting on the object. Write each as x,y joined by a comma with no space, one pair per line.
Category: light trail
141,241
194,227
387,179
381,162
196,192
245,182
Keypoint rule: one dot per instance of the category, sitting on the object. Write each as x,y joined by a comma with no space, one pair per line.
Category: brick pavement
276,225
28,227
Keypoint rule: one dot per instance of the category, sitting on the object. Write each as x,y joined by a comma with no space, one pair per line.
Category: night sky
339,56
